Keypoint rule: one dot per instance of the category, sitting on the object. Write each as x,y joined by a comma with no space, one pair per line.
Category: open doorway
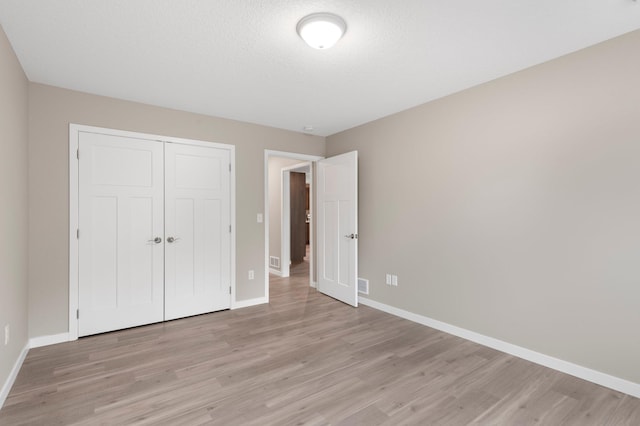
279,169
295,215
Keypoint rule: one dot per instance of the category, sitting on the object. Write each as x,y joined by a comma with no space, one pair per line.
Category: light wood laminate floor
303,359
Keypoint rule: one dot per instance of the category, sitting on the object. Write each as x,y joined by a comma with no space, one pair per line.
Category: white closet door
197,230
120,215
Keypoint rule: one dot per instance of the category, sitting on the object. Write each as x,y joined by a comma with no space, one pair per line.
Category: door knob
172,239
156,240
351,236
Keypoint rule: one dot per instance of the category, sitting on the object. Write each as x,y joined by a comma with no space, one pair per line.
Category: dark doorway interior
298,203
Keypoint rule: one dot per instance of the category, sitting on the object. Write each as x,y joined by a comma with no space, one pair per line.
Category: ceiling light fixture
321,30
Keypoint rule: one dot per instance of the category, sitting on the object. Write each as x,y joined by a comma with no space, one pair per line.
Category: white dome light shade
321,30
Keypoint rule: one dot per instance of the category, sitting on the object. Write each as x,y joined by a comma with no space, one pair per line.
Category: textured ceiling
242,59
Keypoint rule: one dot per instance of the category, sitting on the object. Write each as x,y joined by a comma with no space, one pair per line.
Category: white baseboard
275,272
249,302
594,376
36,342
6,387
313,284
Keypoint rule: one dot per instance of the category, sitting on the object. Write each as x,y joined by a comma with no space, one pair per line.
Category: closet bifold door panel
154,220
121,221
197,230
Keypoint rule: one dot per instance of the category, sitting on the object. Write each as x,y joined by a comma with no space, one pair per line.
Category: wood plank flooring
303,359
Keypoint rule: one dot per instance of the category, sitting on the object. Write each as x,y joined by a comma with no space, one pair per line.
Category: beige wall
513,209
275,166
52,109
13,207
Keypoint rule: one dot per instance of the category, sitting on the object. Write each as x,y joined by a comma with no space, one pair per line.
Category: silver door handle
352,236
156,240
172,239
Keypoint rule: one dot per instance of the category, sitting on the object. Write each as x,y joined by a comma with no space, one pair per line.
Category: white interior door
121,230
197,230
338,227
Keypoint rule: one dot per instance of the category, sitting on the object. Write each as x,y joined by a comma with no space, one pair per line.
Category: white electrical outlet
388,279
259,218
251,274
394,280
6,334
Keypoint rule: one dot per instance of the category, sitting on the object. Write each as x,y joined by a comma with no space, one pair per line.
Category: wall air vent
363,285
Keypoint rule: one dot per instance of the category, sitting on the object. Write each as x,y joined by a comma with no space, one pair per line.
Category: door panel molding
75,131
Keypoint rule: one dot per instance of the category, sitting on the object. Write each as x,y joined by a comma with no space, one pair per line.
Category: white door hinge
77,313
77,234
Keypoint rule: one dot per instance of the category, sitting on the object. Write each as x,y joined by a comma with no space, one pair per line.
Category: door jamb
74,204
